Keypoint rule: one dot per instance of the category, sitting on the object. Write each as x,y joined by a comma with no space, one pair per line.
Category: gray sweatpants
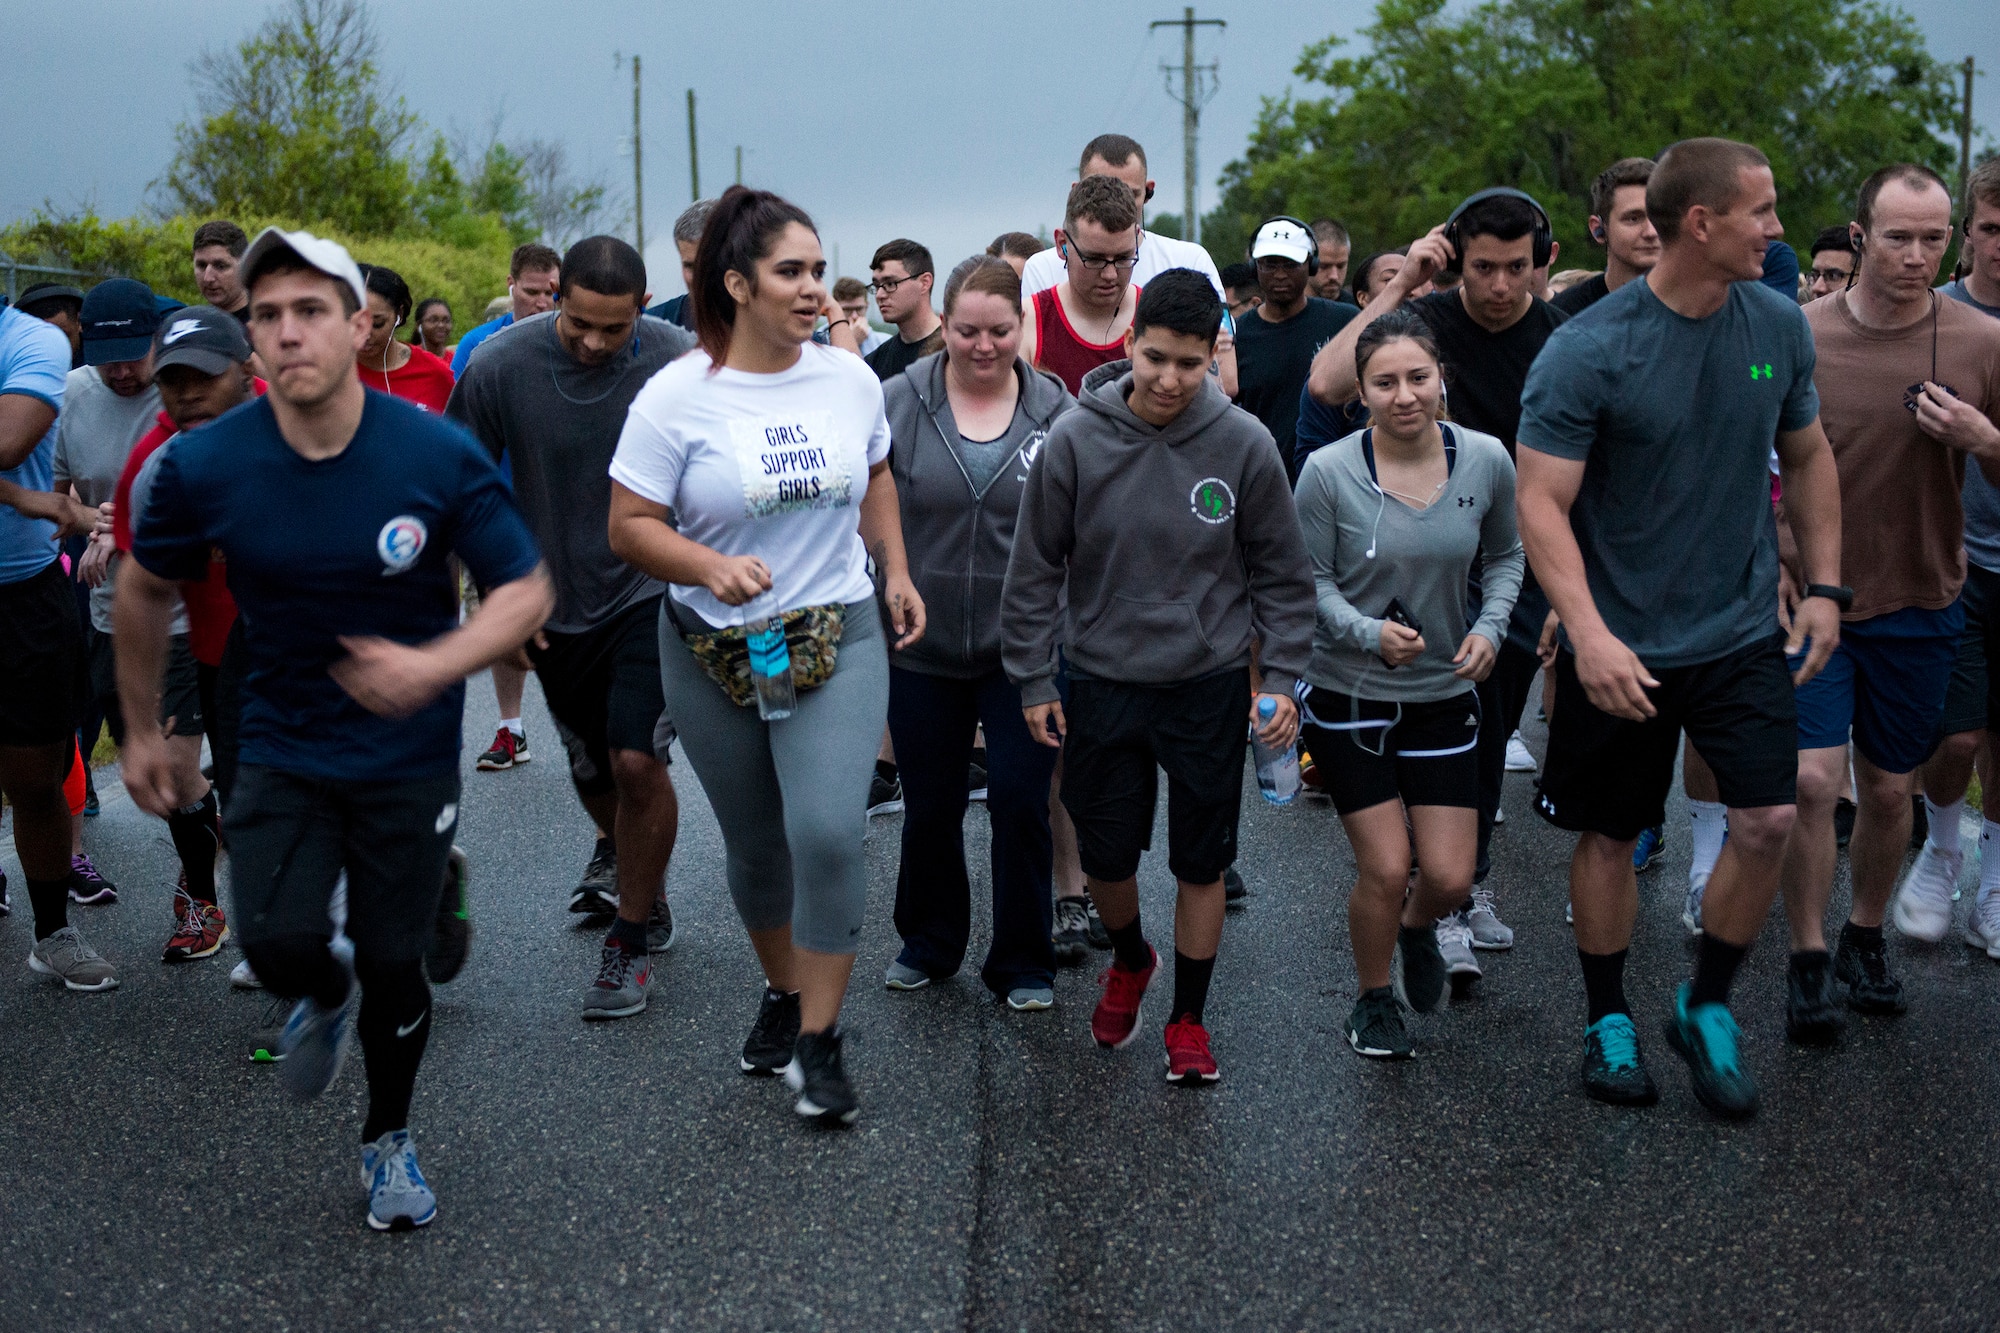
805,777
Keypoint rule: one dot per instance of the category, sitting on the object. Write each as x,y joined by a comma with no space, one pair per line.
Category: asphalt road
1005,1173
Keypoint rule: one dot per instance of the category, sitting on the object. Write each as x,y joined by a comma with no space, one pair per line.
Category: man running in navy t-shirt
336,509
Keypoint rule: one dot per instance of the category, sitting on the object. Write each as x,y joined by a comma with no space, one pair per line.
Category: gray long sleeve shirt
1421,556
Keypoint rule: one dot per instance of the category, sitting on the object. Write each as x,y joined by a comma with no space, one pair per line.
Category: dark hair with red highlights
740,231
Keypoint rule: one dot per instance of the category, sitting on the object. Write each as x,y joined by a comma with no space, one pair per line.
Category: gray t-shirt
1368,547
94,437
557,423
1978,496
982,459
1674,419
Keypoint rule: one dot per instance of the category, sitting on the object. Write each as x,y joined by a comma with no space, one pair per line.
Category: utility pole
739,164
694,156
1965,132
1191,97
638,170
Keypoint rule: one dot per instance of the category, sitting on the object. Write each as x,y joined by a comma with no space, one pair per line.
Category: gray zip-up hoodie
959,537
1178,544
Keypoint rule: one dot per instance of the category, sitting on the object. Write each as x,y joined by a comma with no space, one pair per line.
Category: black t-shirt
1582,296
1485,372
892,358
1272,361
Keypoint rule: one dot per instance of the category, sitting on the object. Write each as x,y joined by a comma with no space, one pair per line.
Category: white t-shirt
1157,254
773,466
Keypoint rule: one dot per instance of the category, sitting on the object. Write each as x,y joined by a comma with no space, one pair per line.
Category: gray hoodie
959,535
1179,546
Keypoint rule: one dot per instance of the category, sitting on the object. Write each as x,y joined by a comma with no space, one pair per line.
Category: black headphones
1312,240
1597,233
1544,234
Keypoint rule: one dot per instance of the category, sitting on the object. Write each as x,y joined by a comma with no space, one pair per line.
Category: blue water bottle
1277,768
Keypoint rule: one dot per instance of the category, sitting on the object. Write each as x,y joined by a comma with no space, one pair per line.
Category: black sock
1191,977
885,770
394,1026
1715,964
196,832
1128,945
627,935
1805,958
1378,992
604,847
1867,938
1603,983
50,900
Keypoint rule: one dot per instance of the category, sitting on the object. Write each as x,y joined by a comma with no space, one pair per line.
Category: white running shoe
1519,758
1982,928
1488,930
1691,912
1923,903
243,977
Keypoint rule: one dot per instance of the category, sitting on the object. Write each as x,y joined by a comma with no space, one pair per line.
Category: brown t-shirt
1901,529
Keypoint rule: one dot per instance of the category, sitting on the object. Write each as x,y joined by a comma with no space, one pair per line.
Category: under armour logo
1762,372
1467,501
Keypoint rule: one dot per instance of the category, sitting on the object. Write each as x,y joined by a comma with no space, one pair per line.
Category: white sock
1945,825
513,724
1989,860
1708,823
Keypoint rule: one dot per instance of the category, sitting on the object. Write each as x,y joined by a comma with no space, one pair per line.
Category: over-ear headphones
1544,234
1312,240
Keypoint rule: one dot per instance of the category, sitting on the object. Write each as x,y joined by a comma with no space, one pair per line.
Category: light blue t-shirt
34,361
1674,419
1978,496
473,337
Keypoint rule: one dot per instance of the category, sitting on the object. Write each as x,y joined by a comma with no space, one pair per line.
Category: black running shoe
1423,973
1235,893
597,894
1071,936
1612,1068
1812,1011
815,1073
1863,967
1093,929
452,940
1843,821
773,1036
885,795
1375,1028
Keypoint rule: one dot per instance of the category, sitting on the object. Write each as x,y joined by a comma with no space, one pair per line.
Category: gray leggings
807,774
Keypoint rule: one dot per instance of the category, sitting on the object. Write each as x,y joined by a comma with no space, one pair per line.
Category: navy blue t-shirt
350,545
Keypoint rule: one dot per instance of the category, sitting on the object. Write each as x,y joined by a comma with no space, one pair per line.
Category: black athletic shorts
180,687
603,687
44,682
1969,703
1605,775
291,835
1369,752
1118,734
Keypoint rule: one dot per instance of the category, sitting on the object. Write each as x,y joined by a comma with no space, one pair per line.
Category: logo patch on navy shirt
400,542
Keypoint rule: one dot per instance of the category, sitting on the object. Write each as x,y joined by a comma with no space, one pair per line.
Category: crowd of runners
1081,512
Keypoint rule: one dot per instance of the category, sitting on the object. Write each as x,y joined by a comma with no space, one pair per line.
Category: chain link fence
20,276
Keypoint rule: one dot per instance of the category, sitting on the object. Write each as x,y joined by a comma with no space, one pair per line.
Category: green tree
1542,94
295,122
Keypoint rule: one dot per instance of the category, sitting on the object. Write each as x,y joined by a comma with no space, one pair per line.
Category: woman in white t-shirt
753,477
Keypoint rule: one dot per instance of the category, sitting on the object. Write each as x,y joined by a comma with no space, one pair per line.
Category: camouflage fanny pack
812,637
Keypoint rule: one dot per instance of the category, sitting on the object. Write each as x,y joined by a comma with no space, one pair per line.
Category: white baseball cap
329,257
1282,238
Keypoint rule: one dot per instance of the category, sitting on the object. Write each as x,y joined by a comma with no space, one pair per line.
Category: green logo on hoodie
1212,501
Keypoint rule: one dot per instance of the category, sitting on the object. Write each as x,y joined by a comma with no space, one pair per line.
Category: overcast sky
942,120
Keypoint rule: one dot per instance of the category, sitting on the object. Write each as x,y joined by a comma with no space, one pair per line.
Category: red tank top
1060,351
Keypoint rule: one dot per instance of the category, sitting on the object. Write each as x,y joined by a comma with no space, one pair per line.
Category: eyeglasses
1829,276
888,286
1096,263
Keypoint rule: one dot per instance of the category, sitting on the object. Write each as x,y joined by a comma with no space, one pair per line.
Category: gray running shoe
1454,938
596,894
1027,999
901,976
1071,936
660,925
620,988
399,1199
65,955
314,1042
1488,930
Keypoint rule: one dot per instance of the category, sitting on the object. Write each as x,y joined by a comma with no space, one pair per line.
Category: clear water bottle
1277,768
771,660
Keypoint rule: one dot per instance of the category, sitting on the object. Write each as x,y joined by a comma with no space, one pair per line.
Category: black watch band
1840,596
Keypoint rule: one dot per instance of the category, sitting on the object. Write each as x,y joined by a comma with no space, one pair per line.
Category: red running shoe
1115,1021
199,929
1188,1059
508,750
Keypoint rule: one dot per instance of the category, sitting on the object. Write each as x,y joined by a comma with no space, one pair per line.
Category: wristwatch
1841,597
